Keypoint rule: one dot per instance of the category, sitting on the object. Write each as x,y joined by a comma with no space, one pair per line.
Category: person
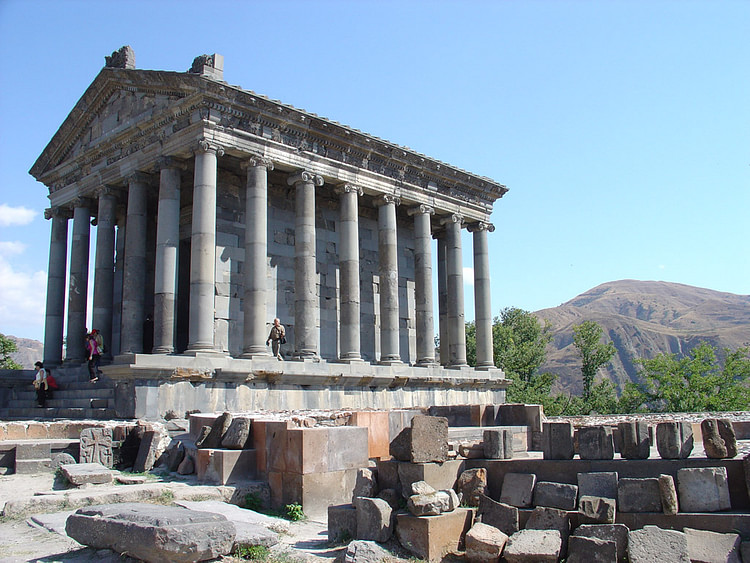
92,347
40,384
276,338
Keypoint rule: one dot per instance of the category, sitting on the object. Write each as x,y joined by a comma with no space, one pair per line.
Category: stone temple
217,209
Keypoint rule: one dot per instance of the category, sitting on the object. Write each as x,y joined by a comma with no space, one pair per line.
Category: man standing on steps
276,338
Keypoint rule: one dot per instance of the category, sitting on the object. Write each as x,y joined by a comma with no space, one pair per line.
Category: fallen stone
235,513
652,544
187,466
713,442
422,488
432,537
539,546
557,440
451,500
595,442
362,551
425,505
634,440
544,518
726,431
342,523
390,496
429,439
472,450
366,484
674,440
518,489
472,484
61,459
556,495
502,516
153,532
617,533
639,495
202,437
484,543
712,547
237,436
147,452
596,510
175,455
373,519
703,489
129,479
583,549
96,446
668,494
86,473
493,443
400,446
598,484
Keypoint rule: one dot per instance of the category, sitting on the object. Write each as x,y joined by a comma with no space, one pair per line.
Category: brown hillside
643,319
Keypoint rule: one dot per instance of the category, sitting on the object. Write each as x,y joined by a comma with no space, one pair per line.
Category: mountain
29,351
644,319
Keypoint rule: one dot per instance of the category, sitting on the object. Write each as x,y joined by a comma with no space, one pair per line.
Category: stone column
167,253
78,282
256,257
455,276
388,271
306,335
203,249
423,284
134,267
56,274
442,277
349,273
104,267
482,307
119,278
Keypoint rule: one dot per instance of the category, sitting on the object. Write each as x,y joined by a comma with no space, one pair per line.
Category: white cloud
11,247
10,216
22,301
468,276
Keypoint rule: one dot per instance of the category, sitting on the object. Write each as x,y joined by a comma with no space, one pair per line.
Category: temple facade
217,209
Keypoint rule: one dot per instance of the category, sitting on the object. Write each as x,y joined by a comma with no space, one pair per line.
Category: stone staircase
77,397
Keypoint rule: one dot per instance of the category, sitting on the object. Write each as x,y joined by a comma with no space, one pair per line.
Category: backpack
51,383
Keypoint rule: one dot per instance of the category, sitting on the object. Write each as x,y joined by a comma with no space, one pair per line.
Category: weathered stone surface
373,519
147,452
703,489
451,501
484,543
425,504
713,443
205,432
362,551
187,466
582,549
726,431
86,473
366,484
652,544
130,479
429,439
617,533
471,450
422,488
61,459
472,484
432,537
557,440
596,510
712,547
556,495
538,546
390,496
638,495
634,440
96,446
497,444
252,528
400,446
218,429
175,455
595,442
544,518
674,440
745,551
153,532
518,489
668,494
598,484
237,436
342,522
502,516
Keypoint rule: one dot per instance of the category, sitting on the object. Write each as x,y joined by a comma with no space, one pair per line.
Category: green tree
693,383
594,353
7,347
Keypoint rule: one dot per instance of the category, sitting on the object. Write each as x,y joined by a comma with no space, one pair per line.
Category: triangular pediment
116,100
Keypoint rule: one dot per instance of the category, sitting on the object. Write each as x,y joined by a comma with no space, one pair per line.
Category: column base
426,363
204,352
486,367
253,354
391,362
457,366
350,360
163,350
305,358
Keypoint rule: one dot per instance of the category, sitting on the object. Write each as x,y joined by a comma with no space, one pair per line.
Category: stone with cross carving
96,446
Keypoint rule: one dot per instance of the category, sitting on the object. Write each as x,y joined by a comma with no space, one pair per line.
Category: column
306,336
388,271
167,252
482,307
442,277
78,282
349,273
423,284
119,278
203,249
455,277
134,271
256,253
104,267
56,273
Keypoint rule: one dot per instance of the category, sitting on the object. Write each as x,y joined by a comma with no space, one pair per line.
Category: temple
216,210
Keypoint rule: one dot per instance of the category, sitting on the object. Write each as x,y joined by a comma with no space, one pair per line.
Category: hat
93,331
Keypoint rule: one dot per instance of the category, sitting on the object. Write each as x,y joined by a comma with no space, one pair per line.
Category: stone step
32,413
91,392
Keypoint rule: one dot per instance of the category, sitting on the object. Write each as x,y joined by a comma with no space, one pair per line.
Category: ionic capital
421,209
305,177
139,178
82,202
204,145
57,213
481,226
387,199
256,161
106,191
166,162
452,218
347,188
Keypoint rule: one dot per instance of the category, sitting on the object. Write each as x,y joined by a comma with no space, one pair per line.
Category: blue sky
622,129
